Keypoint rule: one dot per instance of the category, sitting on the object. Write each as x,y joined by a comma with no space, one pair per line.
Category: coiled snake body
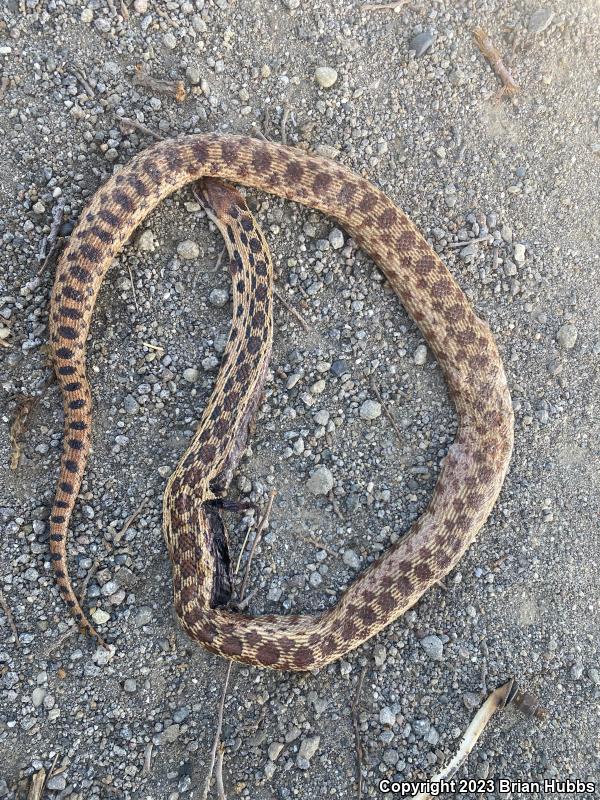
471,475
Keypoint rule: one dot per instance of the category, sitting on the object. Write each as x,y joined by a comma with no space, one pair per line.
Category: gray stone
387,716
188,250
308,747
190,375
218,297
433,646
339,368
567,336
57,783
540,20
321,481
370,409
336,239
351,559
421,43
420,355
325,76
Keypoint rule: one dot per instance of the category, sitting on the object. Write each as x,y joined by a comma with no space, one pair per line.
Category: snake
470,476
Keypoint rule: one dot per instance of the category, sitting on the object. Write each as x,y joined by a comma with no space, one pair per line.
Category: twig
157,347
174,88
135,302
82,80
219,775
321,545
61,640
395,5
36,786
129,522
90,574
467,242
387,412
147,758
49,248
4,84
260,529
292,310
284,119
139,126
10,619
215,767
360,752
492,54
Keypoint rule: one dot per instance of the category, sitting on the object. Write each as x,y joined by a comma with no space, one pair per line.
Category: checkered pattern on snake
471,474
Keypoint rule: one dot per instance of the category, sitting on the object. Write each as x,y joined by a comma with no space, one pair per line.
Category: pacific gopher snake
471,475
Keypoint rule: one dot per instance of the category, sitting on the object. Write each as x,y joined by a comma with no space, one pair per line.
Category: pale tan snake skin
471,475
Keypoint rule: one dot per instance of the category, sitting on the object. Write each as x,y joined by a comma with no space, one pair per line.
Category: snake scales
471,474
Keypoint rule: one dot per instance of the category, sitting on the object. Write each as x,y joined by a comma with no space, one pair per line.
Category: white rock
100,616
370,409
320,482
190,375
188,250
567,336
326,76
387,716
146,242
420,355
519,252
309,746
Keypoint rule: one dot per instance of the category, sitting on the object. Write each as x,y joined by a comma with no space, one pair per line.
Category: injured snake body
471,474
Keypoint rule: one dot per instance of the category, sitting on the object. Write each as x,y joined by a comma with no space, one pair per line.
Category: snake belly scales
471,474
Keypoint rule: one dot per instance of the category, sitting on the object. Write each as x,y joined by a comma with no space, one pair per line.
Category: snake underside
471,475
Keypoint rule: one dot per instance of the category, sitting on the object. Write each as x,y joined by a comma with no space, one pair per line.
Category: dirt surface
506,190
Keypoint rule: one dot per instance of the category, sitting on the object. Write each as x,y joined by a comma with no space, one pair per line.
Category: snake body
471,474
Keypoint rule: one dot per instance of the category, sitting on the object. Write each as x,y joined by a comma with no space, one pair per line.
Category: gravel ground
506,189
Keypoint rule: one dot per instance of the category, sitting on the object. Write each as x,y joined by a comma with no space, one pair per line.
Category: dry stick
321,545
219,775
387,412
37,785
129,522
90,574
10,619
216,763
49,248
59,642
360,752
492,54
259,532
395,5
83,81
467,242
135,302
284,119
139,126
175,88
292,310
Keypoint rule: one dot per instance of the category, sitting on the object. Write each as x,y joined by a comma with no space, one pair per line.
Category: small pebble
567,336
190,375
325,76
434,647
421,43
308,747
420,355
540,20
351,559
336,239
370,409
218,297
188,250
321,481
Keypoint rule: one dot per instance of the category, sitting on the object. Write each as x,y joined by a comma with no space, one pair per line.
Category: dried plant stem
139,126
492,54
292,310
